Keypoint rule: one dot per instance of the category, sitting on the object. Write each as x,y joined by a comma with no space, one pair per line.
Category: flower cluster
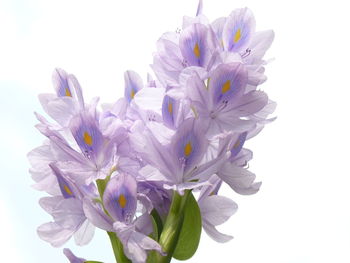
148,168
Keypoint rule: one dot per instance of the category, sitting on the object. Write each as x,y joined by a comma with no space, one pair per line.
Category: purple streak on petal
239,27
60,82
119,198
199,8
238,144
73,83
66,187
227,81
133,83
213,188
170,109
189,144
197,45
87,135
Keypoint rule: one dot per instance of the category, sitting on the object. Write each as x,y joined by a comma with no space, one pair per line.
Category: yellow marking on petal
237,36
237,144
68,191
222,42
132,94
226,87
68,94
188,149
197,51
122,201
87,138
170,107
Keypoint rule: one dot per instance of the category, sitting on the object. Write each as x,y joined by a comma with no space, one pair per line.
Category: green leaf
190,232
93,261
118,248
101,185
157,230
158,223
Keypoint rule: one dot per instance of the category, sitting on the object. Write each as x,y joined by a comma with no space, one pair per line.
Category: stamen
178,30
246,53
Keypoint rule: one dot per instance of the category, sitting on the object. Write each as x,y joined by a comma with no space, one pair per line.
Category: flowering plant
147,169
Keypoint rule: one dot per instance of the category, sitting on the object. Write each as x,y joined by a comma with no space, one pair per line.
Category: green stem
116,244
171,230
117,248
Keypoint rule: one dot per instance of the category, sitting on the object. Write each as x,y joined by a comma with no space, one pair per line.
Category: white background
301,214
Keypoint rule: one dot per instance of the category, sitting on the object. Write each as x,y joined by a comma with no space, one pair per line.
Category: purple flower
67,212
197,45
133,83
222,105
68,100
72,258
215,210
120,199
178,164
237,32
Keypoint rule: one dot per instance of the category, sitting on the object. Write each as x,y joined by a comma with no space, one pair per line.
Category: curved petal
216,210
239,179
227,82
197,44
84,234
69,213
133,83
189,144
96,215
238,30
215,234
218,27
55,234
87,135
260,43
71,257
119,197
